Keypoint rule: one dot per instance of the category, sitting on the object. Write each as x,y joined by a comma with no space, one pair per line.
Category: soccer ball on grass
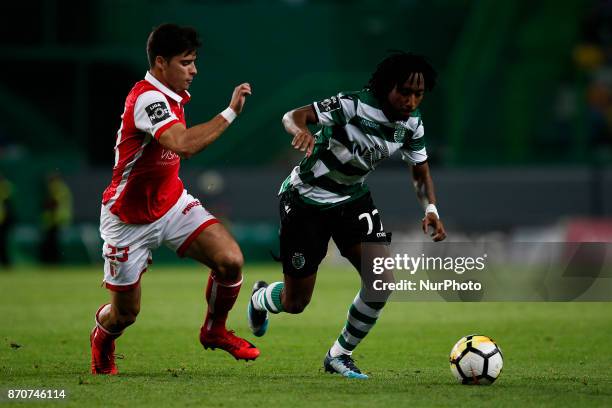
476,360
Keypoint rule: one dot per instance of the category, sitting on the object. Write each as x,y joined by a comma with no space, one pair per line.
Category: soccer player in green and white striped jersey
326,196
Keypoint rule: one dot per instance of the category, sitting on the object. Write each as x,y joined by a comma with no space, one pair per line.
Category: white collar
155,82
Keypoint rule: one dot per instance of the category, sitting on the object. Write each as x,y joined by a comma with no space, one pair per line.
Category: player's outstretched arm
424,188
296,124
187,142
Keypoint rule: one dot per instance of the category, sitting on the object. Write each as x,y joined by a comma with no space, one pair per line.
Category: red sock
221,297
101,335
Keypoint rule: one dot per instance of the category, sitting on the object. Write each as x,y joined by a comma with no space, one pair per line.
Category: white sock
337,350
269,298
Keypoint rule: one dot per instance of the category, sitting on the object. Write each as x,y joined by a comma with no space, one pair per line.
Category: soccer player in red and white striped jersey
146,204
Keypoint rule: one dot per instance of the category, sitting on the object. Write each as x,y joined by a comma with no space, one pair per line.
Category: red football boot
226,340
102,353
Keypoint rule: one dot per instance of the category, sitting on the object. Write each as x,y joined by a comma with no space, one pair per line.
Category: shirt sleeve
413,151
335,110
152,113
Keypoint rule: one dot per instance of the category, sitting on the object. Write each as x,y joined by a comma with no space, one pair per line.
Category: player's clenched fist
303,141
239,97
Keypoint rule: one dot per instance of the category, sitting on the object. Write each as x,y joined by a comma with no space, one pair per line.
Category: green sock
269,298
361,318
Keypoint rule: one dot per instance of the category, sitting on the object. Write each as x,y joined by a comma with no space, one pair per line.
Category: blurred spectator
594,58
6,219
57,213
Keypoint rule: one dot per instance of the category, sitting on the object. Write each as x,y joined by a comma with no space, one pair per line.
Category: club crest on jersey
157,112
298,261
329,104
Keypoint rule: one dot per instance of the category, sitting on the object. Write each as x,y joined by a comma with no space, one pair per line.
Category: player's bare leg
290,296
111,320
297,293
216,248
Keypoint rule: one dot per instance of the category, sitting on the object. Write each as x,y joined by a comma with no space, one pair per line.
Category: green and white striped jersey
355,136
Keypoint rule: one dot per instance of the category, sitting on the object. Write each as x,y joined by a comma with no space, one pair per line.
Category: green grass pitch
556,354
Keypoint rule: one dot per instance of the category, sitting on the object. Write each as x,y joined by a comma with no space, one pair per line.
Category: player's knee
126,320
295,306
229,266
126,317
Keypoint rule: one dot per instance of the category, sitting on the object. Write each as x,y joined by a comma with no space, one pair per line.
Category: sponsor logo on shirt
169,155
368,123
400,134
329,104
371,155
157,112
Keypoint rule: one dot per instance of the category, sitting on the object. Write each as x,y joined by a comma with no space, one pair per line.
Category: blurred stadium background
519,129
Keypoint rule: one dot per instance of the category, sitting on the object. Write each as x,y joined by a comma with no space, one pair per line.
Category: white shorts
127,247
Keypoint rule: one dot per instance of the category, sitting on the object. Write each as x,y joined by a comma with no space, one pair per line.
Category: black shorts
305,230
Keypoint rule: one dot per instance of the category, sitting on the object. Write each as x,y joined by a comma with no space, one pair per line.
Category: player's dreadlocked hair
395,70
169,40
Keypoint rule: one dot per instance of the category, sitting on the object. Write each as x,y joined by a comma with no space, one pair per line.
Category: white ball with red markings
476,360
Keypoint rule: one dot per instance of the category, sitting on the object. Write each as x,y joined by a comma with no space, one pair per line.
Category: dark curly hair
169,40
395,70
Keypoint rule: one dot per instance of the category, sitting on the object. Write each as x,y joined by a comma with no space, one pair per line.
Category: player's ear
160,62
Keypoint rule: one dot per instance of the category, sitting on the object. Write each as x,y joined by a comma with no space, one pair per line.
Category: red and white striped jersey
145,183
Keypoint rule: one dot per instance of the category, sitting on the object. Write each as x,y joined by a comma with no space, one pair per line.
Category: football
476,360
